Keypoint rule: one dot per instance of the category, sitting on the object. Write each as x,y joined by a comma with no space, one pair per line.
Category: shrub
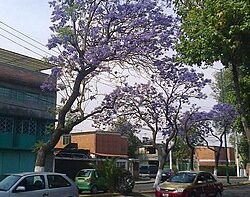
117,179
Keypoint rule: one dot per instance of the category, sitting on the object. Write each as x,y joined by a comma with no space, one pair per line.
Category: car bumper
170,194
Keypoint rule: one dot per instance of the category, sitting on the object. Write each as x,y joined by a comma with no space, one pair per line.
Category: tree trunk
46,148
241,110
162,154
40,159
217,158
192,158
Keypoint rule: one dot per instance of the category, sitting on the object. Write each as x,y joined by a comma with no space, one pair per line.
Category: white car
32,184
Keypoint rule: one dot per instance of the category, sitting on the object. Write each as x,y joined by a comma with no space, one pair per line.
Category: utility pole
225,129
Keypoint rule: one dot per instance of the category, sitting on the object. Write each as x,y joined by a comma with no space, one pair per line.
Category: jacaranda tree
93,36
196,126
158,104
193,129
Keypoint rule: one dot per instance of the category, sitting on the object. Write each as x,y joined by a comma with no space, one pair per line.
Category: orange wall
85,142
203,153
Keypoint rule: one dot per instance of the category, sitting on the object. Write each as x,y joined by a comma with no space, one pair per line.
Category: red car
190,184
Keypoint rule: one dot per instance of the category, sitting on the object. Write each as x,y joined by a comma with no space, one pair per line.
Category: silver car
32,184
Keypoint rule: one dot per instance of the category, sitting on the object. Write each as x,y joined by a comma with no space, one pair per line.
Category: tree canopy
93,37
214,31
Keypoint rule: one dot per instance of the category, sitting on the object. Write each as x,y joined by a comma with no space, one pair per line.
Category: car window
32,183
57,181
144,169
153,169
183,177
96,174
84,173
201,177
210,178
8,182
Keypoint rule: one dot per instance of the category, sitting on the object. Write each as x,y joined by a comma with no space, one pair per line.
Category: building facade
206,158
24,111
99,144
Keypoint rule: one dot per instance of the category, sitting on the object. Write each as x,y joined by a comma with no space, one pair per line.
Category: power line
27,36
22,46
25,41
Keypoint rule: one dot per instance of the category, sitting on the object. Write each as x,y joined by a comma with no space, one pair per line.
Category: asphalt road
146,189
147,186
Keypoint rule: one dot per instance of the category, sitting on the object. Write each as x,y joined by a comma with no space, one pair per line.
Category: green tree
217,31
126,129
229,97
181,150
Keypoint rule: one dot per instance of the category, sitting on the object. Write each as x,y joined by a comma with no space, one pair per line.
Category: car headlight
179,189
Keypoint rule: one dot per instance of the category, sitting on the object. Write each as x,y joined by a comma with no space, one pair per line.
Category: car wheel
79,191
218,194
94,189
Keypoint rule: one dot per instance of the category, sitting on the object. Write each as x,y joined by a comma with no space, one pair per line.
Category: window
32,183
56,181
6,124
66,139
121,164
151,150
209,178
26,127
201,178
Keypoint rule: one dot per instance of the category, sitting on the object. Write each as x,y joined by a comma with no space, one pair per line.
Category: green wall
13,161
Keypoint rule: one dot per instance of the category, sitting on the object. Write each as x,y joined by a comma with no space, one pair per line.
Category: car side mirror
201,182
20,189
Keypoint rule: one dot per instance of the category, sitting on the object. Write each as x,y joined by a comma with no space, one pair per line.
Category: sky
32,18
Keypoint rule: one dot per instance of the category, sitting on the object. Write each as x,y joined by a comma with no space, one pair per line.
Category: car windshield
84,173
183,177
8,182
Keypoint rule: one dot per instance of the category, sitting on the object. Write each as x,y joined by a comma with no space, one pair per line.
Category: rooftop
15,59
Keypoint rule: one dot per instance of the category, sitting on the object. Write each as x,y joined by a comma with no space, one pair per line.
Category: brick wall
99,143
206,157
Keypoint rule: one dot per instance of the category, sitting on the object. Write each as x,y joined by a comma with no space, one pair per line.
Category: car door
200,185
59,186
211,187
30,186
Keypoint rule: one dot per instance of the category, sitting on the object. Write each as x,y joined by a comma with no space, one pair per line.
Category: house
24,110
100,144
85,149
206,158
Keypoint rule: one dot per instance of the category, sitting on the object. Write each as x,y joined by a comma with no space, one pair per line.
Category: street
235,191
147,186
146,189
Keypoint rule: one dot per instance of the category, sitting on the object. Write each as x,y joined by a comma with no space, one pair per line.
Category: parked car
190,184
32,184
148,171
90,180
166,174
